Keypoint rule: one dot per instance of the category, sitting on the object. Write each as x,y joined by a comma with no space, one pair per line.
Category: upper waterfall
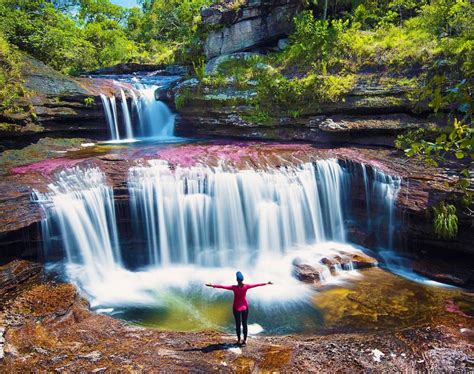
141,115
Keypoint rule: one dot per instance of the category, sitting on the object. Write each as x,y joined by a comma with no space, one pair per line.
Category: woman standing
241,305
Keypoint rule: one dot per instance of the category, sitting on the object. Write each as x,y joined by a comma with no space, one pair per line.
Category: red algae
46,167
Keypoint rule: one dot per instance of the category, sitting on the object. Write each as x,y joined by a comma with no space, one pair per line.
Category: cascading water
81,206
144,117
196,224
212,217
381,192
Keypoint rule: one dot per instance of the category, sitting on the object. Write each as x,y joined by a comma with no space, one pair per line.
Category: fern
445,221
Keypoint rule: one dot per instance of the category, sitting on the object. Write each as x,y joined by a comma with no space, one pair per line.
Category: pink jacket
240,294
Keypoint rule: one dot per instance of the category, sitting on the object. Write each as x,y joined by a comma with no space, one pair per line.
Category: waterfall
380,195
189,222
145,117
126,116
110,116
81,206
211,216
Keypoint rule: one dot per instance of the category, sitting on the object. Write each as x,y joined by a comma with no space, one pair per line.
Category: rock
56,105
16,272
307,274
283,44
257,22
369,115
363,261
330,125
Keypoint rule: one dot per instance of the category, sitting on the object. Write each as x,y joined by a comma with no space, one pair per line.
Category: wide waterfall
190,224
141,115
218,217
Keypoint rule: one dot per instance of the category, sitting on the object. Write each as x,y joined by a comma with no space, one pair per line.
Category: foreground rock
50,328
240,25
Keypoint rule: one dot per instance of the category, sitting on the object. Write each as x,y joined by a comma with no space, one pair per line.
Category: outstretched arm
219,286
257,285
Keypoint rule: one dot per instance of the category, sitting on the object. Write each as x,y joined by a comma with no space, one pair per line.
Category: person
240,306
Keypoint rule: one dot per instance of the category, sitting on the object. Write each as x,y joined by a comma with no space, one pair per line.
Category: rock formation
234,27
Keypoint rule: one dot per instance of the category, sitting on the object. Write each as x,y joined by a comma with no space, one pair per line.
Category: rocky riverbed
48,326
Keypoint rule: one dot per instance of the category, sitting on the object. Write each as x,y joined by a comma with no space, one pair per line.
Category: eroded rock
17,272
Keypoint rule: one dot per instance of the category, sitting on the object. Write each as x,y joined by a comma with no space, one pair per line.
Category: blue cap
239,276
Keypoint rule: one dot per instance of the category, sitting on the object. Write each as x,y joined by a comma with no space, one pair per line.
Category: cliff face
235,28
57,105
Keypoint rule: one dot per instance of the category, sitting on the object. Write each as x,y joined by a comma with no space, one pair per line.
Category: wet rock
363,261
307,274
255,23
283,44
17,272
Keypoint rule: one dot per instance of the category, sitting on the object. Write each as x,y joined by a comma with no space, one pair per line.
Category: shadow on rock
213,347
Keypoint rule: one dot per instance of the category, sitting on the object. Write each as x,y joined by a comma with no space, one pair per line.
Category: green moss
258,117
45,148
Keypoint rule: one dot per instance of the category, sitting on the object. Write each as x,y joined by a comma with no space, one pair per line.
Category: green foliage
314,41
300,93
445,220
181,99
88,101
11,84
175,23
258,116
69,42
199,67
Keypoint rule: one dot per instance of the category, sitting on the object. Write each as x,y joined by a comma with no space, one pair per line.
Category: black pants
241,318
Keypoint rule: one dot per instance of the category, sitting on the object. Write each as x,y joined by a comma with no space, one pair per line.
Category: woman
241,305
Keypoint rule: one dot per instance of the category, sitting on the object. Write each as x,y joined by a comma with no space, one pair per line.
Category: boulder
232,28
362,261
307,273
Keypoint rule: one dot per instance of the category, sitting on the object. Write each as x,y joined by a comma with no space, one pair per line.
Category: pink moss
452,307
45,167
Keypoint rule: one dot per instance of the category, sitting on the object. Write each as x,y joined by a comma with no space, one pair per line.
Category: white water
82,206
201,224
214,217
143,117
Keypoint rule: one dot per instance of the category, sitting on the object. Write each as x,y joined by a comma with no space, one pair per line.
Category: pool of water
373,299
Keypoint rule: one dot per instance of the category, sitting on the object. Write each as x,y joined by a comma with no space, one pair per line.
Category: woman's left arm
257,285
